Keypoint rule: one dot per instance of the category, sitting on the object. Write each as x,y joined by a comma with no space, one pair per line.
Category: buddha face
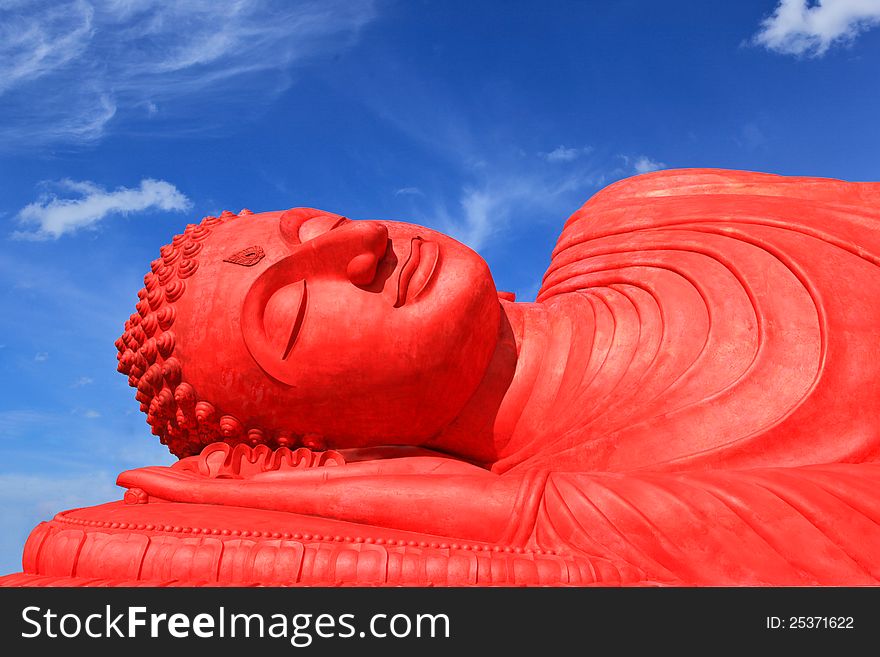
365,332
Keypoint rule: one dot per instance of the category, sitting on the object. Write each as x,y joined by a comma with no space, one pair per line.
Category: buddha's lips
417,271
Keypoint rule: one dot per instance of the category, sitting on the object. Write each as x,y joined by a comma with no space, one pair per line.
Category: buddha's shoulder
698,183
675,196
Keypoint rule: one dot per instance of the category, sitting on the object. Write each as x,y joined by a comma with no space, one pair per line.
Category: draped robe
705,356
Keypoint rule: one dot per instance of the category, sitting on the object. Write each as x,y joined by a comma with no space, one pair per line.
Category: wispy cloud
82,381
41,356
55,216
496,188
565,153
645,164
409,191
27,499
63,458
70,441
493,189
487,207
49,495
751,137
46,290
33,47
71,69
802,27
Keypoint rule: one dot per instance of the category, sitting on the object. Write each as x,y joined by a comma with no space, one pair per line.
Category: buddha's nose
373,242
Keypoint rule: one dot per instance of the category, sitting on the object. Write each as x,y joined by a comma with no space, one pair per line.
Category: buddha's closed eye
283,317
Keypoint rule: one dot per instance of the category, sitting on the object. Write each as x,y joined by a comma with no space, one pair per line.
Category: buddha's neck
541,355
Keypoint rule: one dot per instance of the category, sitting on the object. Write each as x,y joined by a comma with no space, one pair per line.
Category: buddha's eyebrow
247,257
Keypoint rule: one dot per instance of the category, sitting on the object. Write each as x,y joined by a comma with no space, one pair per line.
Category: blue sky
121,121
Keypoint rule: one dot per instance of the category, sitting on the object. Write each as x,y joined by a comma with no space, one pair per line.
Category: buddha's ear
506,296
291,221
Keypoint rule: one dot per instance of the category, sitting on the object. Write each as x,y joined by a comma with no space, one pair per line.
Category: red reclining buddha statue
692,399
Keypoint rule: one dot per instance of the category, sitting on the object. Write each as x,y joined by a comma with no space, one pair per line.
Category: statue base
132,543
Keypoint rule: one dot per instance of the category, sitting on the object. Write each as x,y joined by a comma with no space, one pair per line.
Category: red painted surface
692,399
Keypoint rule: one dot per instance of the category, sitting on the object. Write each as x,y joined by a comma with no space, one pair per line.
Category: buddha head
305,327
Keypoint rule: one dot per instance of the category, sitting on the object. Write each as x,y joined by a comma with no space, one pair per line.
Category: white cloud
70,69
529,291
644,164
751,137
496,190
482,209
87,413
56,216
41,356
409,191
799,27
487,207
565,154
82,381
